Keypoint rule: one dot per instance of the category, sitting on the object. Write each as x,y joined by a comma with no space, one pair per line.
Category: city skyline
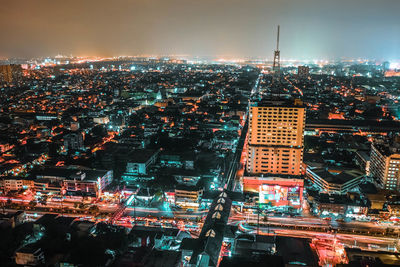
233,29
171,133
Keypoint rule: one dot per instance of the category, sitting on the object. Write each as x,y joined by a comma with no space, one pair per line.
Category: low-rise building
29,255
15,183
72,179
335,180
176,160
188,196
340,205
140,160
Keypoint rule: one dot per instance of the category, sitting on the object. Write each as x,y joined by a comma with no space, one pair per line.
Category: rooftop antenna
276,67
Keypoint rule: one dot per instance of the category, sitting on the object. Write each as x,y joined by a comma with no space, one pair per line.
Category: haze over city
311,29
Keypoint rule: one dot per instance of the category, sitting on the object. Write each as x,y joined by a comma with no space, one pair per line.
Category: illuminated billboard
276,191
279,195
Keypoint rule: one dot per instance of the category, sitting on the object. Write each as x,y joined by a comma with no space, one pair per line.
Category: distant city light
394,65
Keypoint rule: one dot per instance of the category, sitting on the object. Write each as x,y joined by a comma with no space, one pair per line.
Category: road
315,223
348,240
112,207
307,222
235,163
154,212
230,176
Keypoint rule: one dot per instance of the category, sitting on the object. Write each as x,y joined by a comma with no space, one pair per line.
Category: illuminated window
216,215
210,233
219,207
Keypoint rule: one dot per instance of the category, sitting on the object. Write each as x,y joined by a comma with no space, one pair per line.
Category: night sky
324,29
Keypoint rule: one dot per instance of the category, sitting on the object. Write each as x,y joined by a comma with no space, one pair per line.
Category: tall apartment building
275,137
385,165
9,73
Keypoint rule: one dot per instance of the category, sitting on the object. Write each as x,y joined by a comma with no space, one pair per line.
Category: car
189,211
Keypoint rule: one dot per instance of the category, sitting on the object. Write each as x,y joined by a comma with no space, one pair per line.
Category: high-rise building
385,165
9,73
275,137
303,71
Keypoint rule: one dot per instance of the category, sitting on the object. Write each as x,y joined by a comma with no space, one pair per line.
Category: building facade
9,73
275,137
188,196
385,166
334,180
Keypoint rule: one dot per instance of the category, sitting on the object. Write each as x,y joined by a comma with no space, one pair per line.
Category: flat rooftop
278,102
338,176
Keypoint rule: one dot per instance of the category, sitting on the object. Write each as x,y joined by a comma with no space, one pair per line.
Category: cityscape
162,159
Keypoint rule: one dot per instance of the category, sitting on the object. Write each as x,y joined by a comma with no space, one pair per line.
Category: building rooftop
381,258
278,102
388,149
141,155
254,261
296,251
212,233
69,173
338,175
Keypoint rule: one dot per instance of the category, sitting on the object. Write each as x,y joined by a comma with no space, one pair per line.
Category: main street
314,222
231,174
349,240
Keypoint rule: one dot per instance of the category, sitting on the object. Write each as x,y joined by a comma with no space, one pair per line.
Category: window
221,200
216,215
210,233
219,207
223,194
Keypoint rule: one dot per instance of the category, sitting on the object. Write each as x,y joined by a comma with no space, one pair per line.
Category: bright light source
394,65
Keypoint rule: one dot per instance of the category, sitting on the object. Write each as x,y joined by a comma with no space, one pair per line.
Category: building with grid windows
10,73
385,165
275,137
